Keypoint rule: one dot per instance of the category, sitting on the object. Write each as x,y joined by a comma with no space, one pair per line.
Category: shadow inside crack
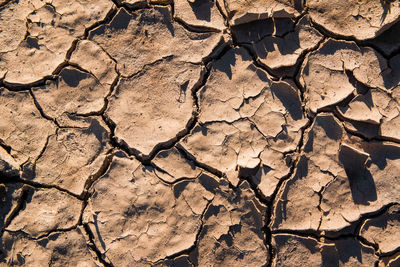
121,20
253,31
341,252
362,185
6,202
289,98
72,77
381,154
100,238
386,9
202,9
226,64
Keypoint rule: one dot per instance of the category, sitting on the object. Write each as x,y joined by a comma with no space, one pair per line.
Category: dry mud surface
199,133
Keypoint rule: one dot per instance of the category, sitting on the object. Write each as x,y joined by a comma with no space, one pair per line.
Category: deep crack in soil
199,133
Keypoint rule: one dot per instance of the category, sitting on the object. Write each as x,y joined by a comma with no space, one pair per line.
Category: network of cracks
199,133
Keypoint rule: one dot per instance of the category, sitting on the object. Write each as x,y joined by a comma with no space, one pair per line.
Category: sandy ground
199,133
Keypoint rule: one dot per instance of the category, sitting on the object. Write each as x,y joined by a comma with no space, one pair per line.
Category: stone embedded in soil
21,126
361,20
46,211
155,105
383,230
58,249
39,34
146,36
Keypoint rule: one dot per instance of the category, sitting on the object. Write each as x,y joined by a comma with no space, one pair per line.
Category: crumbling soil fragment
133,213
359,19
383,230
40,33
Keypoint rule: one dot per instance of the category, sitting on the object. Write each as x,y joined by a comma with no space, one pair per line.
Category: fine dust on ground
199,133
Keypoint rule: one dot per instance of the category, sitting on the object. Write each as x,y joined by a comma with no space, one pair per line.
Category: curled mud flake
73,156
254,31
323,74
199,133
58,249
390,261
273,111
362,108
383,230
233,78
11,201
155,105
149,35
95,60
134,3
174,166
133,213
241,11
338,70
74,92
177,261
298,204
299,251
22,127
221,145
388,41
199,13
46,211
377,109
232,230
8,166
342,178
41,35
357,19
282,52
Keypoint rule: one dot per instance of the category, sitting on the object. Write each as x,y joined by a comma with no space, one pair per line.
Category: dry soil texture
200,133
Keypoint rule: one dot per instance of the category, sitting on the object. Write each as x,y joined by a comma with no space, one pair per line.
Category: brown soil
199,133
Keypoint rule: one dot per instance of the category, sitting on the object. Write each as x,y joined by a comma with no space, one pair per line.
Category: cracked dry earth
199,133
